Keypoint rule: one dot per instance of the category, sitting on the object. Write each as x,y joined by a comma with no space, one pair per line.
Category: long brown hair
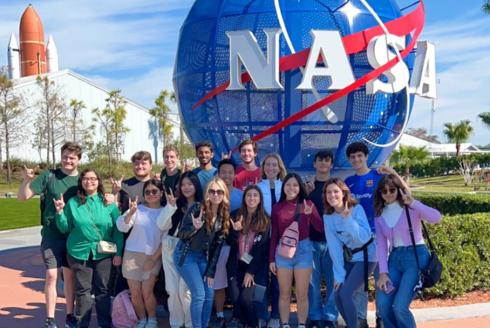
223,209
82,194
346,197
389,180
259,221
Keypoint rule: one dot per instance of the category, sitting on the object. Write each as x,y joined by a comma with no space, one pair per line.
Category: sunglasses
391,190
151,192
90,179
218,192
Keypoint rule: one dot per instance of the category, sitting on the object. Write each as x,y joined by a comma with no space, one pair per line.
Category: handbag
431,275
103,247
169,244
259,292
349,254
290,237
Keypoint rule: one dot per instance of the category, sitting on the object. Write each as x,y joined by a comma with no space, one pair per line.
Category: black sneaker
220,322
329,324
379,323
362,323
315,324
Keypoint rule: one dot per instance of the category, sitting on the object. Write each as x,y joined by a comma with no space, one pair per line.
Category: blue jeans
322,266
361,298
192,271
403,273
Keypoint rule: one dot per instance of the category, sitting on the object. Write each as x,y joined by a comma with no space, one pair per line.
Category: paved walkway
22,282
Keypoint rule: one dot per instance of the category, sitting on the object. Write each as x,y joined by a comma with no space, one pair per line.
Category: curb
21,232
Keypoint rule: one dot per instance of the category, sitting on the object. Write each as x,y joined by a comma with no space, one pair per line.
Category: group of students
215,230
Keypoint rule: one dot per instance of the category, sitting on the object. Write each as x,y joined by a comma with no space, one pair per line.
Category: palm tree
458,133
409,155
486,6
485,116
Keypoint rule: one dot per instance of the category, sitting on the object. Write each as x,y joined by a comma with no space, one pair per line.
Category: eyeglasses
218,192
151,192
90,179
391,190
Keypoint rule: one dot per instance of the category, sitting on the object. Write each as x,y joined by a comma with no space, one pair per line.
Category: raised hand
116,185
133,206
28,173
237,226
156,176
382,169
347,211
170,198
59,204
310,185
224,156
109,199
407,198
197,222
308,209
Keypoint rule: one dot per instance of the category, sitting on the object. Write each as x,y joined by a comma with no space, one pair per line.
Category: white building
439,150
75,86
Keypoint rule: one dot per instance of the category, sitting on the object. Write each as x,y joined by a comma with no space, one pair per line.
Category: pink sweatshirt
418,212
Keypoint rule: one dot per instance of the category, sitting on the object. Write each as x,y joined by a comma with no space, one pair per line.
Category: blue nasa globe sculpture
226,119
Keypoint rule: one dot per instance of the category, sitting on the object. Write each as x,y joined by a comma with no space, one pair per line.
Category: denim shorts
302,259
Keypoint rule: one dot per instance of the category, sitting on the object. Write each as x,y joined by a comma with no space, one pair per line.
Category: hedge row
463,246
453,204
439,166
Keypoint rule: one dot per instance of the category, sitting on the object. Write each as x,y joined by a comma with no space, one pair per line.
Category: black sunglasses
391,190
151,192
218,192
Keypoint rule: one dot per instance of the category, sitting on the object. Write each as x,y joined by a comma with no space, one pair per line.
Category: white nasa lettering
264,72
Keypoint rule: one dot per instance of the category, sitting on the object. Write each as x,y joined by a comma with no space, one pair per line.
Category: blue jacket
265,187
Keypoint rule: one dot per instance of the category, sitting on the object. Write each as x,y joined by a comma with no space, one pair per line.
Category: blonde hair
282,169
223,209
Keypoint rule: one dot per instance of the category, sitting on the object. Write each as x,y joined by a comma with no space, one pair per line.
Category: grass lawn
446,183
15,214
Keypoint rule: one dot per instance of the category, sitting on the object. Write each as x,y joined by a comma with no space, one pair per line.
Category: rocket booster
51,55
31,37
13,58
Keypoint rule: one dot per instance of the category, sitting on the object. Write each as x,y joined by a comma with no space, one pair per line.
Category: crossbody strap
426,233
93,221
298,210
412,237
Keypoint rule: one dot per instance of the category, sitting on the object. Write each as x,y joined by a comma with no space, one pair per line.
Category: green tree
13,118
486,6
111,120
409,155
485,116
458,133
79,132
421,133
160,112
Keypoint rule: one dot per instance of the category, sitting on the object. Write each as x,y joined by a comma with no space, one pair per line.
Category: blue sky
130,45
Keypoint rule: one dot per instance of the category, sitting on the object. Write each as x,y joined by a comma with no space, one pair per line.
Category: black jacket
260,252
198,240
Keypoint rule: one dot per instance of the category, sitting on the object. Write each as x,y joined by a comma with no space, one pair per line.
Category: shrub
463,246
453,204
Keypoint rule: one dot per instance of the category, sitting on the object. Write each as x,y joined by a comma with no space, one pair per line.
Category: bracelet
152,260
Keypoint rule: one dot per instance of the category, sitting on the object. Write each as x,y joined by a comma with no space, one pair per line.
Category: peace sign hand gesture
156,176
28,173
197,222
59,204
237,226
407,198
171,200
133,206
308,209
116,185
347,211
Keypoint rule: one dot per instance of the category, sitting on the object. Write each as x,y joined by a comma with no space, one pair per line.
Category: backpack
290,238
123,315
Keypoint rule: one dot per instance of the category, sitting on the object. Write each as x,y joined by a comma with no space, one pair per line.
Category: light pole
433,110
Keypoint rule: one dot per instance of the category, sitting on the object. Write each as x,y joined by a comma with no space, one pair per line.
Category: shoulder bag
290,237
103,247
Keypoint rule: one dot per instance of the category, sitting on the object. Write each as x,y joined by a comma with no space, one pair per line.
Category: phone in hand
390,289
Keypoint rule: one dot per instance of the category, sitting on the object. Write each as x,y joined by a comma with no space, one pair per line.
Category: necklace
291,203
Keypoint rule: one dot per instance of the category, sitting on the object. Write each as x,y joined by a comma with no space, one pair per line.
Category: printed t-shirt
245,178
61,184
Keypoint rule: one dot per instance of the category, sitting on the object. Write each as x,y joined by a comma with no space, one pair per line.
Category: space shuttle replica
33,57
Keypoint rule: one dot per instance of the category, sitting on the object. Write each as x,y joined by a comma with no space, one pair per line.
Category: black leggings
242,298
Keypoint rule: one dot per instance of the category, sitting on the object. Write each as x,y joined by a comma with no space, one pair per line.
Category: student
400,269
346,226
293,195
206,225
179,299
87,221
362,186
141,261
322,262
272,172
226,172
205,171
247,261
248,173
170,174
53,244
130,189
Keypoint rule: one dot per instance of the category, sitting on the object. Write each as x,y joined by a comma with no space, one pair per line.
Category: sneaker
379,323
142,323
70,321
152,323
220,322
315,324
329,324
48,324
362,323
262,323
285,325
274,323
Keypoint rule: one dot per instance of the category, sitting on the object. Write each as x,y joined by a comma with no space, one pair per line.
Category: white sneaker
274,323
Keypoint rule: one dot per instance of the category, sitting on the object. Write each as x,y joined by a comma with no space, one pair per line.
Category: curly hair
82,194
